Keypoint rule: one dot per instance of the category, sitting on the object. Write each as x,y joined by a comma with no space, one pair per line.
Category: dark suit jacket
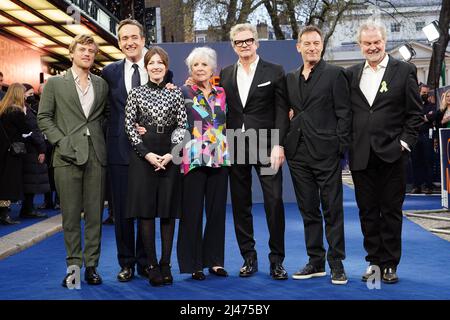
266,106
323,116
118,145
62,120
395,115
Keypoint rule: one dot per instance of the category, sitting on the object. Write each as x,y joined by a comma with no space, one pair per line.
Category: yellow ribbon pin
384,87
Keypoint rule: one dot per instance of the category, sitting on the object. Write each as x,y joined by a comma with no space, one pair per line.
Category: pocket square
263,84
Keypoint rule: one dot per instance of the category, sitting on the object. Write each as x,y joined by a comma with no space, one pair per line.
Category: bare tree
439,47
227,13
272,7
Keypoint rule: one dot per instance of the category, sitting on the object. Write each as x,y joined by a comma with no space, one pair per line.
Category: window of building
420,25
201,39
395,27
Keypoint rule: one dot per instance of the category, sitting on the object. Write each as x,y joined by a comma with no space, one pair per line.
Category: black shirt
304,84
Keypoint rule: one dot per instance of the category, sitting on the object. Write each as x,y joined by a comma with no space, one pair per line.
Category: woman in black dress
154,187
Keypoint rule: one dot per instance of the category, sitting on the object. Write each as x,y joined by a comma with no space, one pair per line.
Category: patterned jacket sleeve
131,112
179,132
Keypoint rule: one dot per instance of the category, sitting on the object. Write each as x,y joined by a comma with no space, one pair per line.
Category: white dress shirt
244,81
86,96
129,70
371,79
370,84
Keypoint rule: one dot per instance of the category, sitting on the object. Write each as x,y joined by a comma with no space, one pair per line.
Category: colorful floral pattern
207,144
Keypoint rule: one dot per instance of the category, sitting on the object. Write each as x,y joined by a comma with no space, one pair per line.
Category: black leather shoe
249,267
198,275
390,275
92,277
125,274
371,269
154,275
6,220
221,272
308,272
277,271
33,215
166,273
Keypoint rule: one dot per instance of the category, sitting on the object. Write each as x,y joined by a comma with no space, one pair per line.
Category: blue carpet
37,272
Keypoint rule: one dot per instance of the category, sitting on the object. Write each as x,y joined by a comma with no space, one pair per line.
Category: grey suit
79,160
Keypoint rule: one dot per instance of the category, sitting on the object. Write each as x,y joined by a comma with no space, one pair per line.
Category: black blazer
396,114
323,117
266,106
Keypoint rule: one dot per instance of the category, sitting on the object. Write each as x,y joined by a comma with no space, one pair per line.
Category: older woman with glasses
205,167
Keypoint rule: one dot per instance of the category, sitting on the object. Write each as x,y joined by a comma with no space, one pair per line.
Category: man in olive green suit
71,114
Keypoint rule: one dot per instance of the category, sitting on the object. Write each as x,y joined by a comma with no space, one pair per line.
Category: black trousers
241,199
316,183
27,204
422,158
380,191
130,250
203,188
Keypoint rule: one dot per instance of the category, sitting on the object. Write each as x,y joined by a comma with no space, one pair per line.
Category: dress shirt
86,96
244,81
371,79
370,84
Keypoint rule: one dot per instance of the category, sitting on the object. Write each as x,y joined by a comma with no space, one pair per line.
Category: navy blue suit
118,149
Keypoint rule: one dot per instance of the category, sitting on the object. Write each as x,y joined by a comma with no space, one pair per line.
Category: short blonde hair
82,39
243,27
206,53
371,25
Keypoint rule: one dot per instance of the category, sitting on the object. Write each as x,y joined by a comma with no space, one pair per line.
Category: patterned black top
152,105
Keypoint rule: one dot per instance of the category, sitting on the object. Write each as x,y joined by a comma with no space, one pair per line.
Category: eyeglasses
240,43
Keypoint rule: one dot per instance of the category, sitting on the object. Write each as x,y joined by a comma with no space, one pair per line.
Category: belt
160,129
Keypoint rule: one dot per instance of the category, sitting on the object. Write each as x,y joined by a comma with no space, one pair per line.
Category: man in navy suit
387,115
122,76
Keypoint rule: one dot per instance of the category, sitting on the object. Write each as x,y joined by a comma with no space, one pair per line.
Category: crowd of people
167,153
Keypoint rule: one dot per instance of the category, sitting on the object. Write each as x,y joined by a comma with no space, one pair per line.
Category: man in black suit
422,155
122,76
318,136
256,102
387,115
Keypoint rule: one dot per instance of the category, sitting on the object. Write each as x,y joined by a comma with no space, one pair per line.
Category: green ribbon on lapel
384,87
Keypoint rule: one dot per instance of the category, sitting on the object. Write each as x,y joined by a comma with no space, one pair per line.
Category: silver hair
243,27
206,53
371,24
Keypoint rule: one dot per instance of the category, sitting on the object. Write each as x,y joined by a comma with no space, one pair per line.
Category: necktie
136,78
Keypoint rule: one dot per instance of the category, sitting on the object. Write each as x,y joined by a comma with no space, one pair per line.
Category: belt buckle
159,129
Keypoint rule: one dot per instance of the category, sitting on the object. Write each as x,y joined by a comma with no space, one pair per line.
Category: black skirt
153,193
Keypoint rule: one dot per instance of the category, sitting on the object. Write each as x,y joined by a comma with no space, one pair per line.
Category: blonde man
71,115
